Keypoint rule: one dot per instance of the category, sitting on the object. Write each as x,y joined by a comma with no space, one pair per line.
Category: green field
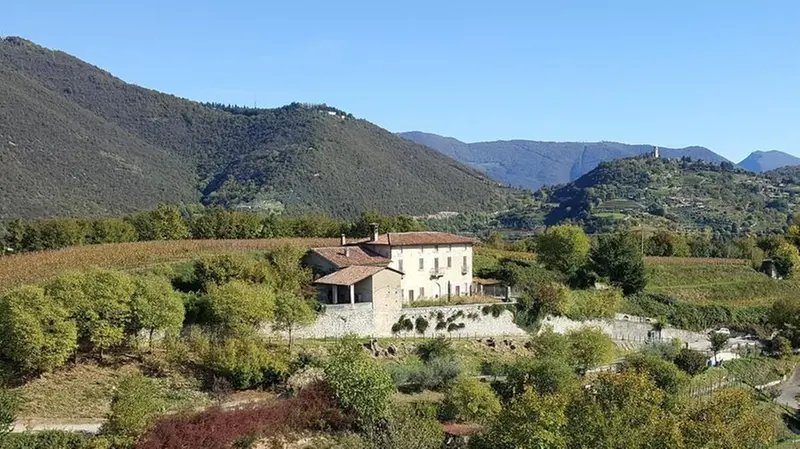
717,283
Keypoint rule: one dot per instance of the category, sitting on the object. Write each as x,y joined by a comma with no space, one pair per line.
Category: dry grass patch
31,268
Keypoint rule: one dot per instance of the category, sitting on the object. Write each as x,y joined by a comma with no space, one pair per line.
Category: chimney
343,241
347,252
373,232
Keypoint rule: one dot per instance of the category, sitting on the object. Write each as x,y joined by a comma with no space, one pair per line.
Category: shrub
470,400
9,406
587,304
781,346
411,426
362,387
313,409
136,404
552,298
665,374
239,308
51,439
529,421
435,348
35,333
421,325
223,268
548,344
438,373
245,362
691,362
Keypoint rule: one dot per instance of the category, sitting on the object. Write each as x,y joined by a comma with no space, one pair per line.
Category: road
790,389
35,426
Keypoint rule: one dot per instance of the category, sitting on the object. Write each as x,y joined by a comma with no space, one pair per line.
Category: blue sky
723,74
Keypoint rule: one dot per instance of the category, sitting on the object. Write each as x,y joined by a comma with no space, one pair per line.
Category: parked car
723,330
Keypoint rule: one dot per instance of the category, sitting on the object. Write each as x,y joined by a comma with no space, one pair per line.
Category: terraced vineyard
716,281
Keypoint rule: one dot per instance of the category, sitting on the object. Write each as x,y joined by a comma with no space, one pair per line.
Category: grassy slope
717,283
31,268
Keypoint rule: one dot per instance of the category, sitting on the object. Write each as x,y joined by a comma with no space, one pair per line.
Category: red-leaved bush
313,409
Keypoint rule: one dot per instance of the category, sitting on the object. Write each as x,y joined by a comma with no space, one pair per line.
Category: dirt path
790,390
93,425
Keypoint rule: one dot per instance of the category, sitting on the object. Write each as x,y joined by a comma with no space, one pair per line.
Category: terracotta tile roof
350,275
345,256
419,238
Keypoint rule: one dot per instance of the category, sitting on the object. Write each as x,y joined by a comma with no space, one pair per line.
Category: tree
617,411
223,268
291,311
665,374
164,223
730,419
361,386
549,344
35,332
470,400
718,342
136,403
589,347
99,301
551,298
156,306
691,362
9,406
286,271
787,260
785,316
543,375
563,248
618,258
239,308
112,230
530,421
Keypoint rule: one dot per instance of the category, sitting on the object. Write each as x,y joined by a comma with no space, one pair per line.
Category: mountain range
532,164
75,140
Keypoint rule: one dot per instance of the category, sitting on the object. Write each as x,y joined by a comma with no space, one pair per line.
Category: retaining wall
363,320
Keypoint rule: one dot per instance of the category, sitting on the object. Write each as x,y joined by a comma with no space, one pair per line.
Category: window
421,264
436,263
400,264
449,262
436,248
458,290
411,295
464,262
422,292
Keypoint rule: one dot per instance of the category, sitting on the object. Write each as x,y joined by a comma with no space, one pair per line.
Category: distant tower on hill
655,152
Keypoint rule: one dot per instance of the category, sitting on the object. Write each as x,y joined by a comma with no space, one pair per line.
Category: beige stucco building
394,268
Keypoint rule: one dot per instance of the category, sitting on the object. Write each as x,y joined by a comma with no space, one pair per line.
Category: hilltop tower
655,152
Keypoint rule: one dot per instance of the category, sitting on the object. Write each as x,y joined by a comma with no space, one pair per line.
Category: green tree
112,230
552,298
530,421
163,223
618,258
9,406
284,265
730,419
787,260
470,400
691,362
240,308
35,332
718,342
156,306
291,311
589,347
563,248
617,411
14,237
136,403
543,375
785,316
222,268
362,386
549,344
665,374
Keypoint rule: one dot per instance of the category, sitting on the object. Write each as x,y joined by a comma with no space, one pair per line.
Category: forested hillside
533,164
675,194
78,141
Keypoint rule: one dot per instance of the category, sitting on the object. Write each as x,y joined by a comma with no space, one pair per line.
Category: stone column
353,294
335,294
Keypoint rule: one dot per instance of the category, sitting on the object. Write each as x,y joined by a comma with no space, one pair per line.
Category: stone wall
627,328
362,320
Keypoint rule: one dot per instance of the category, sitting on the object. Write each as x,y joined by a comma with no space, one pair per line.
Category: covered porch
351,285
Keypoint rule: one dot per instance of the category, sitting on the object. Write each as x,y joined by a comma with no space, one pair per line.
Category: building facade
395,267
